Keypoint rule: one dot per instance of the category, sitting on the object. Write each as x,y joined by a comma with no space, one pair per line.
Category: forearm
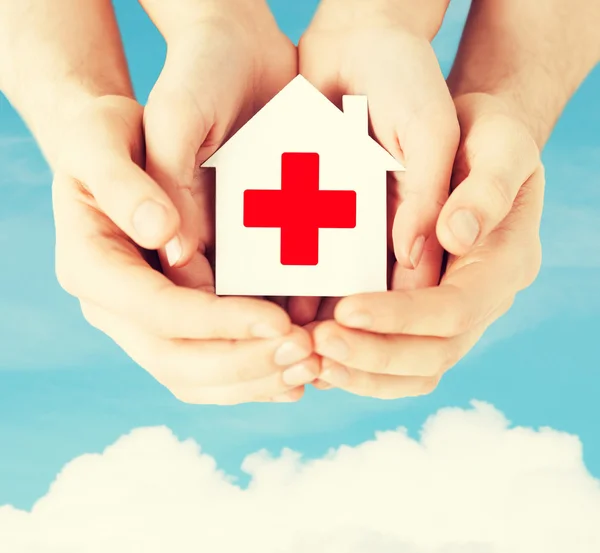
56,56
422,18
531,56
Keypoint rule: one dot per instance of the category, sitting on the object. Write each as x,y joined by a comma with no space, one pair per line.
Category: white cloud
470,484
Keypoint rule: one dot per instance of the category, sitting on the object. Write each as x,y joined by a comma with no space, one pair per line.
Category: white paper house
296,171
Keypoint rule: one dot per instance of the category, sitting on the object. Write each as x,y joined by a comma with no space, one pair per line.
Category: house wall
350,260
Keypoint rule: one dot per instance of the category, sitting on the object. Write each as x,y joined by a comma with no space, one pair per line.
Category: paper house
301,200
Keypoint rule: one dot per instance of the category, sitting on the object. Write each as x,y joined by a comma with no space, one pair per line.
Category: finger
389,354
426,274
496,158
464,298
384,386
95,264
473,286
375,385
197,274
183,128
102,161
213,364
292,396
265,390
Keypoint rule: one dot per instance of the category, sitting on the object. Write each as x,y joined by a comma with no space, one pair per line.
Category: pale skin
203,348
516,69
226,59
351,47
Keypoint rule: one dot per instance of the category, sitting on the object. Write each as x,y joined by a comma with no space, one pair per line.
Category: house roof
300,94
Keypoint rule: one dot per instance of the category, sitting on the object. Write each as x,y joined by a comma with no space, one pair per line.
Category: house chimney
356,111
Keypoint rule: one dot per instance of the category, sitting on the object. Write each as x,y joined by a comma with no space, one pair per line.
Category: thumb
101,154
501,156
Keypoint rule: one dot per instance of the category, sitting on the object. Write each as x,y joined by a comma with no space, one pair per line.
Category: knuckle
499,194
385,360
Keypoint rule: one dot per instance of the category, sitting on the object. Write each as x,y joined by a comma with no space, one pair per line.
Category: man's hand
400,343
382,49
203,348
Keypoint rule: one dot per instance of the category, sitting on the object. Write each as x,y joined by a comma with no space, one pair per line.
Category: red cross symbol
300,209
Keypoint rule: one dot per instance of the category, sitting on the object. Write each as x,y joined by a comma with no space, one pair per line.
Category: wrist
49,108
414,18
536,114
533,62
183,17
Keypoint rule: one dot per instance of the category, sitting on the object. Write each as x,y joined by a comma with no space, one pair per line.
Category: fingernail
416,252
465,227
290,353
336,375
298,375
149,220
264,330
174,251
335,348
358,319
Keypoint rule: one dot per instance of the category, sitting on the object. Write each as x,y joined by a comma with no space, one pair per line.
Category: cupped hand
109,213
367,48
225,60
400,343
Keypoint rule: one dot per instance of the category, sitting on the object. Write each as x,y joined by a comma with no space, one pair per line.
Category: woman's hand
108,213
382,49
400,343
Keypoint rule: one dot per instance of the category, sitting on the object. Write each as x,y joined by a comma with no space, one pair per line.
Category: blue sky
65,389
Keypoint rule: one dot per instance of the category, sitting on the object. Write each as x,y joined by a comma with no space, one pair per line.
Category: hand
400,343
356,47
225,60
203,348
